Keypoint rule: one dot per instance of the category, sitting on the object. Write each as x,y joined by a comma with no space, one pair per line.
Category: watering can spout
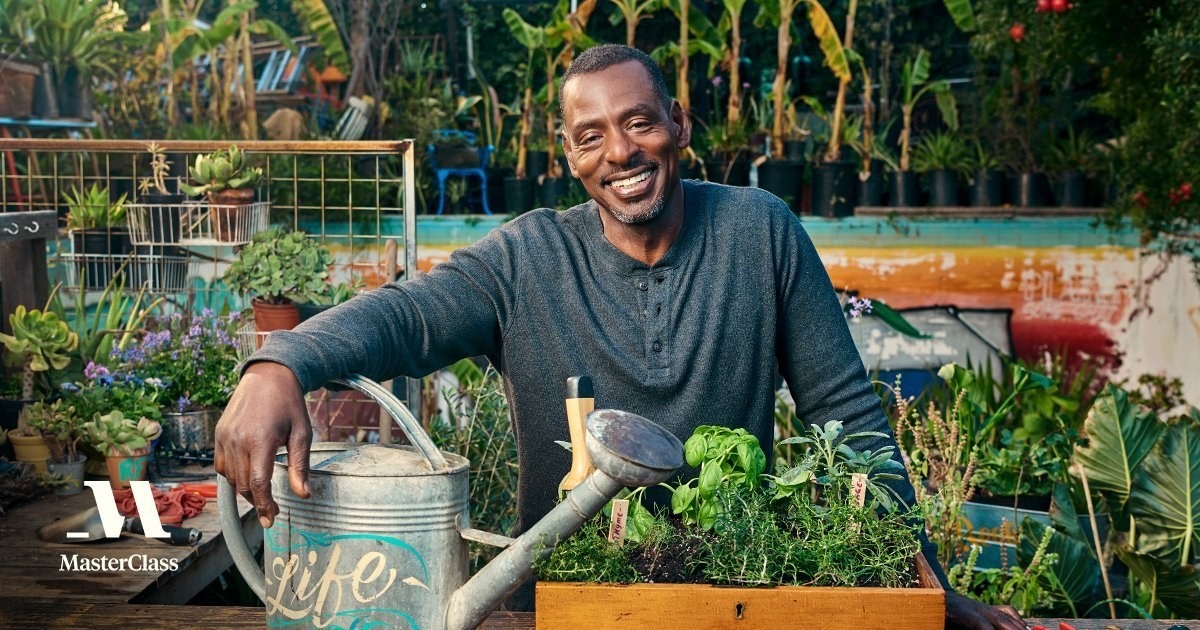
628,451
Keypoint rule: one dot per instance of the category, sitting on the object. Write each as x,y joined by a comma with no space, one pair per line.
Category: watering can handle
231,523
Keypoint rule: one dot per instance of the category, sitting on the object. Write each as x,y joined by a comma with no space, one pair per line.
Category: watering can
383,538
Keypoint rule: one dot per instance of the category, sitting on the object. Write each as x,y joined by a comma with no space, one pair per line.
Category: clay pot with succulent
125,443
62,429
229,182
279,268
40,342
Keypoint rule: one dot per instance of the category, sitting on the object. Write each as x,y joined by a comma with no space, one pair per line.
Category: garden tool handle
580,402
231,522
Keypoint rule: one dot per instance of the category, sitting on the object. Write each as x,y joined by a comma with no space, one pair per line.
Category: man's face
622,143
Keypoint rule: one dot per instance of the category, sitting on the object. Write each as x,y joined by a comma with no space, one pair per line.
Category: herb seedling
724,456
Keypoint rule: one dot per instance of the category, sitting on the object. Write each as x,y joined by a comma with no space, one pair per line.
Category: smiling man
680,299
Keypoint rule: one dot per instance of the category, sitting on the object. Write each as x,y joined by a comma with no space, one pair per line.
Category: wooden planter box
695,606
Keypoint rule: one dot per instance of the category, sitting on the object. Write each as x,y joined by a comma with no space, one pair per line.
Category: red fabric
174,505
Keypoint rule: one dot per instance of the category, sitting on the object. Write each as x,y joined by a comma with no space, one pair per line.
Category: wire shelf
209,224
158,270
156,224
249,339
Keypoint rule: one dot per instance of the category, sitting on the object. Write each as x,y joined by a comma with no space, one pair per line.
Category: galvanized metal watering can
383,539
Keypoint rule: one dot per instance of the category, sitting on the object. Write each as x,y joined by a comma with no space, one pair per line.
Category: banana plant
730,29
915,83
962,14
632,12
697,35
533,38
227,36
317,19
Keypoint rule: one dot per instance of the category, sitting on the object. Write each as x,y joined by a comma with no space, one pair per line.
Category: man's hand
964,613
267,411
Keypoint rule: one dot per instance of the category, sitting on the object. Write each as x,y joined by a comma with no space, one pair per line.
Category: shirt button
656,346
642,284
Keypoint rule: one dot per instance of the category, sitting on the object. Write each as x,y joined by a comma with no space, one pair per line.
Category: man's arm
405,329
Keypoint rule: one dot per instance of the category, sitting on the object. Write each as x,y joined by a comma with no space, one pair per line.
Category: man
679,299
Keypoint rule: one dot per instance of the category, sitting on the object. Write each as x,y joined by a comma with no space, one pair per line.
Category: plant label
620,513
858,488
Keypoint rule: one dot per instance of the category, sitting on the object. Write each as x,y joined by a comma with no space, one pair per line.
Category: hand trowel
88,526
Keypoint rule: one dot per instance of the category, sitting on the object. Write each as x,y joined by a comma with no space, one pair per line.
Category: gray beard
651,214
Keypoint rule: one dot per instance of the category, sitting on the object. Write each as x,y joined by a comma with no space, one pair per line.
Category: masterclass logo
136,563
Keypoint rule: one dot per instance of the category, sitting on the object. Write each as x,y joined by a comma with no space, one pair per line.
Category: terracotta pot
30,449
123,468
269,317
230,214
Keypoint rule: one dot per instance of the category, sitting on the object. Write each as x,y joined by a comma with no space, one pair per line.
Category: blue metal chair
459,168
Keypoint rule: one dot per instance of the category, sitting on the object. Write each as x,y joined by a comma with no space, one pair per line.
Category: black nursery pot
987,189
162,216
1029,190
735,173
943,188
518,194
1073,189
784,179
833,190
870,190
905,193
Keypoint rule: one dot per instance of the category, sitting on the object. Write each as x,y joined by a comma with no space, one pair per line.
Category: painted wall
1069,284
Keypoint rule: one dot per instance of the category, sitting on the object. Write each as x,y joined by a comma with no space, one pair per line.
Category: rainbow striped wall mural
1070,285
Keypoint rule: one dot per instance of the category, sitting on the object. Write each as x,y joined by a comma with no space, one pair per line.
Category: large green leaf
529,36
1120,435
1166,495
1177,588
319,21
962,14
831,44
1077,569
895,320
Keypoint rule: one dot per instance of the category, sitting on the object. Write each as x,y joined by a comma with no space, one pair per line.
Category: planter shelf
691,606
194,223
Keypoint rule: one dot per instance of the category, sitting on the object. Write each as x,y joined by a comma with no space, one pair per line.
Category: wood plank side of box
566,605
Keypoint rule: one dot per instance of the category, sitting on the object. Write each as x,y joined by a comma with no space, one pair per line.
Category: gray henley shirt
694,339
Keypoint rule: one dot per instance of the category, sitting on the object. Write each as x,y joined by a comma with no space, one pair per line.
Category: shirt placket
656,298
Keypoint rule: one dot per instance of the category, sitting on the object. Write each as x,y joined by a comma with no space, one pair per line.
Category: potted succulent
125,443
62,429
229,182
156,218
99,236
40,342
278,268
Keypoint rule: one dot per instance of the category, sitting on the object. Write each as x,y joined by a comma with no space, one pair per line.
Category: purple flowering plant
103,391
194,356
